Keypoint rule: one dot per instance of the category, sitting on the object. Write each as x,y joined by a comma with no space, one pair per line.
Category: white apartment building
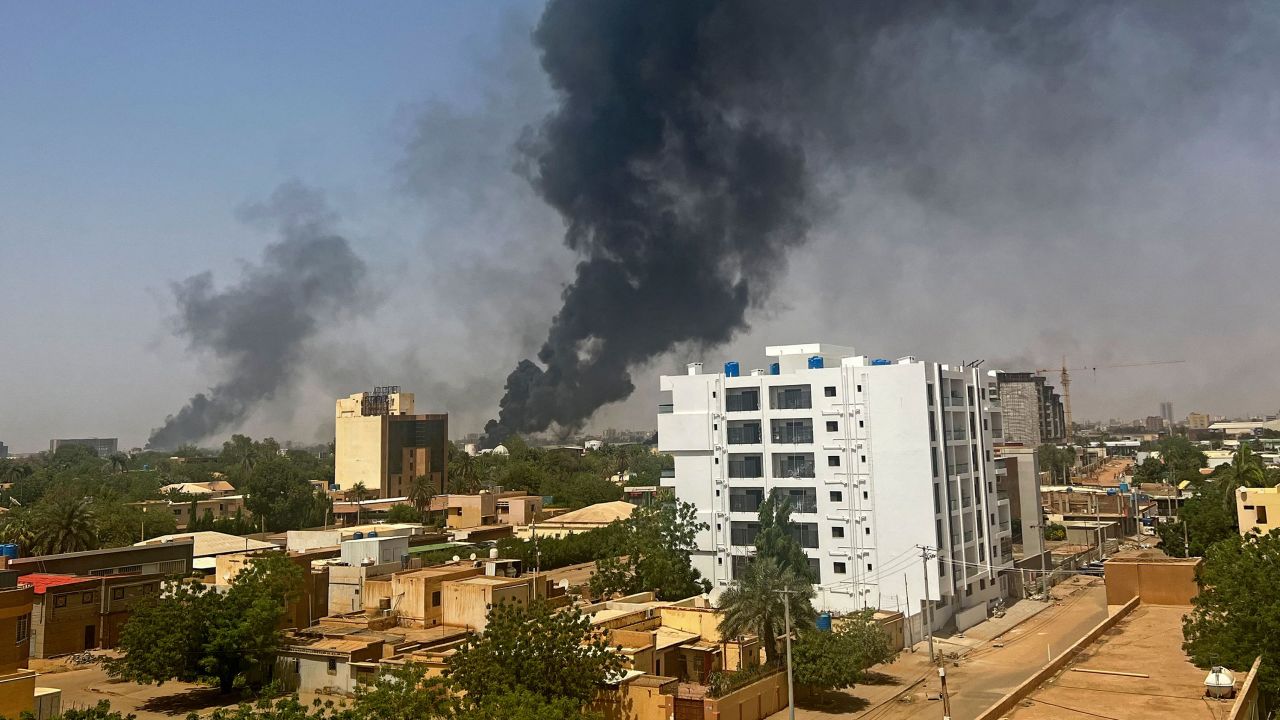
878,457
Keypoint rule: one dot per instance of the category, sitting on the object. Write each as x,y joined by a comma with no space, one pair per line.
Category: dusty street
981,672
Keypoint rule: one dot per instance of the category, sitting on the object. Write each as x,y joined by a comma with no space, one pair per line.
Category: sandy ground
987,662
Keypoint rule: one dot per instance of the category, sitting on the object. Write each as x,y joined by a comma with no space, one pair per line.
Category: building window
833,461
860,424
117,593
838,568
868,567
982,584
837,531
1262,514
864,458
60,601
865,495
333,666
833,426
435,599
829,391
837,496
24,628
866,531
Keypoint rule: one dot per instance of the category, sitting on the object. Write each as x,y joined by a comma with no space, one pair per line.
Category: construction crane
1065,376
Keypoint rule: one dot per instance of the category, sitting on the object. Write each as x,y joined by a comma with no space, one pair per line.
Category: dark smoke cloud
999,154
681,211
258,328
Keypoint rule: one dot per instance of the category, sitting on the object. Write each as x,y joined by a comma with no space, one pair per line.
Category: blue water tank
9,550
824,622
815,362
731,368
881,361
372,534
1112,491
1124,487
775,369
358,536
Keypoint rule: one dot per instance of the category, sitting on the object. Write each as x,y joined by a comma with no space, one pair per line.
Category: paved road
984,673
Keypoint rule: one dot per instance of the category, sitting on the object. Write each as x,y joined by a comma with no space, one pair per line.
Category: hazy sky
1122,208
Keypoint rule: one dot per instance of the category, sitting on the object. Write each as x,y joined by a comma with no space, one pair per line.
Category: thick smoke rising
257,329
941,150
682,211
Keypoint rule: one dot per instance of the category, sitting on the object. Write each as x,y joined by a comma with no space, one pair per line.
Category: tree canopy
839,659
754,604
1236,616
652,552
190,632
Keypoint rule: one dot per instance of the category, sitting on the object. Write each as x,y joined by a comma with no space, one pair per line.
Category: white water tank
694,368
1220,683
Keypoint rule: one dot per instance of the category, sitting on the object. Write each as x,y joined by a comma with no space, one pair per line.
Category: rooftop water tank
694,368
881,361
358,535
815,362
1220,683
824,622
731,369
775,369
372,534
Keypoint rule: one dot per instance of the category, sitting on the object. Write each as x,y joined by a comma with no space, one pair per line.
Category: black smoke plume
696,142
681,210
258,328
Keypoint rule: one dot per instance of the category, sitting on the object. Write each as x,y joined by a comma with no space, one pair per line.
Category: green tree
525,705
581,489
403,514
1205,518
63,524
753,604
1236,616
278,494
554,654
1245,470
653,553
192,633
777,536
839,659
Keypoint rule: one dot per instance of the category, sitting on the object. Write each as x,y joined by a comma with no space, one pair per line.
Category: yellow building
1197,421
17,683
380,442
1258,509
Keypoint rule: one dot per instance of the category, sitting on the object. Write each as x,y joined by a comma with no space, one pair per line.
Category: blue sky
129,134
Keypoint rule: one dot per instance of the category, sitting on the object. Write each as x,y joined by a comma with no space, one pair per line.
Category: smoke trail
258,327
682,211
695,143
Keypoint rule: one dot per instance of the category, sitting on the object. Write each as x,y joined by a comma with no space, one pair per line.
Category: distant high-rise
4,451
104,447
379,442
1166,412
1033,412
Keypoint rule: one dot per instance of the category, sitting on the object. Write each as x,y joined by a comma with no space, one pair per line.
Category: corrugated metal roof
209,543
43,581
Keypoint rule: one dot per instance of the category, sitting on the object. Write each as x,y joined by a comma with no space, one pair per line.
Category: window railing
745,435
797,471
1004,525
958,468
952,401
742,402
800,435
955,434
666,408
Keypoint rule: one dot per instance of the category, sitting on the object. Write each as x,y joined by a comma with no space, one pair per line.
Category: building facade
4,451
1166,413
1197,421
382,444
104,447
879,458
1033,412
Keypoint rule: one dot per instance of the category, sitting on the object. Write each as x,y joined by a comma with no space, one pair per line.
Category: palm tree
358,492
63,525
16,528
462,472
1245,470
421,492
12,471
119,462
752,605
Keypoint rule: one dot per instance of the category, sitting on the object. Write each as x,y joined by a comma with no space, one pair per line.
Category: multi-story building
381,444
17,683
1153,423
879,458
1166,413
1033,412
1197,421
104,447
4,451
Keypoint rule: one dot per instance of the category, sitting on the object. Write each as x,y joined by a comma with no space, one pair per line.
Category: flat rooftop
1148,641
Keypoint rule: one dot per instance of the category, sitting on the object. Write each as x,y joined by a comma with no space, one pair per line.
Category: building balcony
953,402
793,437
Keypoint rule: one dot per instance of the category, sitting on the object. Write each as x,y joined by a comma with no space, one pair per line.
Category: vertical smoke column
681,207
258,327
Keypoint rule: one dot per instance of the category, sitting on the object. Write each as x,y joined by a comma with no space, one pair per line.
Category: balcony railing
1004,525
798,471
958,469
749,435
951,402
666,408
955,435
793,436
742,403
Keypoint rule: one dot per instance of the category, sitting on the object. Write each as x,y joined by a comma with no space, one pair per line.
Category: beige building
590,517
1258,509
380,442
1197,421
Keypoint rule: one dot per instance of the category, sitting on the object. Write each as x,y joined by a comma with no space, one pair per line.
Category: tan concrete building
1197,421
17,683
380,442
590,517
1258,509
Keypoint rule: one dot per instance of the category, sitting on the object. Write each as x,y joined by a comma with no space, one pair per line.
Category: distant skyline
1123,212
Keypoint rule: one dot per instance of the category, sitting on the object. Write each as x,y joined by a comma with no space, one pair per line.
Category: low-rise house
591,517
17,683
1258,509
311,602
415,597
187,512
208,545
300,540
65,614
518,508
172,558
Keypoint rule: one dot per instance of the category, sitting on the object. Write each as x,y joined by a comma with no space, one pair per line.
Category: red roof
43,581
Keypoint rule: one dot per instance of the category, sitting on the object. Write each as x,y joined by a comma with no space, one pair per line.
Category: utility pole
906,590
946,699
926,614
786,594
